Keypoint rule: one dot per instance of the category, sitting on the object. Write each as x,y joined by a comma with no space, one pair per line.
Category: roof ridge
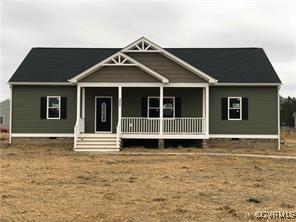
111,48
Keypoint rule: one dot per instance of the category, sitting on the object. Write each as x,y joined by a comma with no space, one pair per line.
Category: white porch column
78,102
83,109
83,103
207,120
161,110
119,105
204,108
118,128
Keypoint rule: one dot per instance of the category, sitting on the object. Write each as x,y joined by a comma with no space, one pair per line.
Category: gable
119,74
166,67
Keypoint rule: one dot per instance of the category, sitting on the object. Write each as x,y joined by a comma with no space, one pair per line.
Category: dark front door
103,114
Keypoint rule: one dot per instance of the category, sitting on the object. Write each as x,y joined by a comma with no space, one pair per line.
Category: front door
103,114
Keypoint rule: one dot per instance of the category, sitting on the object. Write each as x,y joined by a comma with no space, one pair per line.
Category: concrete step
97,139
96,146
96,149
96,143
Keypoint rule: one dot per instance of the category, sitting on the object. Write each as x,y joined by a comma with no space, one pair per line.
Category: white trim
279,120
111,120
170,56
47,106
207,111
248,84
141,84
161,110
126,57
10,115
229,108
247,136
83,103
42,83
42,135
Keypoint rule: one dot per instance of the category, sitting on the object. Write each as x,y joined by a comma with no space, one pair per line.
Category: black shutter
43,107
144,107
64,108
224,107
245,109
177,107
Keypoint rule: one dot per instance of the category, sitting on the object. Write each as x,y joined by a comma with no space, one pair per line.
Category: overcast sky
266,24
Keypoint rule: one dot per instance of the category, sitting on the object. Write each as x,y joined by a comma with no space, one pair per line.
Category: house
4,114
99,97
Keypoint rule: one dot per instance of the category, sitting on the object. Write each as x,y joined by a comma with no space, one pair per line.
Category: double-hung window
53,109
154,107
1,120
234,108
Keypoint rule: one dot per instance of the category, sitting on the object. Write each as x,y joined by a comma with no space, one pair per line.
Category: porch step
96,143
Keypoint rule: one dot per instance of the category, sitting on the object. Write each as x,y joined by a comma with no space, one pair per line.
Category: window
1,120
234,108
168,107
53,107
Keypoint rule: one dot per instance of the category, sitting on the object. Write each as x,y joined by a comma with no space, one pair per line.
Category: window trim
47,106
3,122
165,97
240,107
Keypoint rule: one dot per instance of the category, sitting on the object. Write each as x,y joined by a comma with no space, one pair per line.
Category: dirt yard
56,184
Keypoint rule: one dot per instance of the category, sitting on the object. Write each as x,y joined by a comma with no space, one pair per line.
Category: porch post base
161,143
205,143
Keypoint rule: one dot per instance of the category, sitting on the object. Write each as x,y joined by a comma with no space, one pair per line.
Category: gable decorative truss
145,45
118,59
141,45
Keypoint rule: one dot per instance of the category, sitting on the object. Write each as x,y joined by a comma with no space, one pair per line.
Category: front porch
135,111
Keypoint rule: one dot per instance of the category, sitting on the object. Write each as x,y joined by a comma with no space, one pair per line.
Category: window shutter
177,107
63,107
144,107
43,107
245,109
224,107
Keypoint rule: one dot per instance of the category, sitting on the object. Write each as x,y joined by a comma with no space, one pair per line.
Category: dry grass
56,184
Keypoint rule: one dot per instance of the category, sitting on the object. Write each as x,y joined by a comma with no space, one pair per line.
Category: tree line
288,107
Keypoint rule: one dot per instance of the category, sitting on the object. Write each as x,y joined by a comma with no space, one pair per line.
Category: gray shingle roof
227,65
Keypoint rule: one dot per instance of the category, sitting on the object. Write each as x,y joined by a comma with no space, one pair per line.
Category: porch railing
183,125
142,125
78,128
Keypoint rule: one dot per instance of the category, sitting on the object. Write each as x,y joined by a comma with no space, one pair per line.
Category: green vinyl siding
191,100
90,94
26,109
262,110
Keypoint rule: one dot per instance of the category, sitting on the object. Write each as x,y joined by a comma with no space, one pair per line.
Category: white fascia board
102,63
42,135
248,84
141,84
246,136
172,57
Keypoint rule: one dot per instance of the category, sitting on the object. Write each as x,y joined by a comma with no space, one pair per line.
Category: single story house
4,114
99,97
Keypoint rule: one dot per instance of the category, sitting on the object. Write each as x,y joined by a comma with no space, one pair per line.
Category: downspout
279,119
